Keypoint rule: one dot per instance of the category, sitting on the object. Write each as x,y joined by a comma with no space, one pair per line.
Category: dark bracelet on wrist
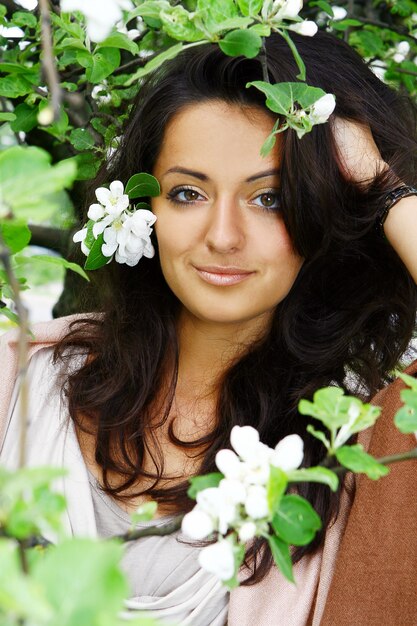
391,198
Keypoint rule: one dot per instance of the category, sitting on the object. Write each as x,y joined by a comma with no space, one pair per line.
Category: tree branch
48,61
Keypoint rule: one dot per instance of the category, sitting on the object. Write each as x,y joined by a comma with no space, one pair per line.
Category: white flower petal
307,28
290,9
256,504
288,453
244,440
218,559
95,212
103,195
197,524
247,531
98,228
80,235
116,188
228,463
108,249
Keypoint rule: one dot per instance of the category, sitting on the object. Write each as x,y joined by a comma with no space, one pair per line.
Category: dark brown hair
347,320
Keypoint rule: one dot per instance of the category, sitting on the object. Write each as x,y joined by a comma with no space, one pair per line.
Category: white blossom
288,453
126,234
307,28
79,237
346,430
339,13
288,9
100,93
197,524
27,4
247,531
321,110
218,559
219,505
101,15
113,199
229,464
256,504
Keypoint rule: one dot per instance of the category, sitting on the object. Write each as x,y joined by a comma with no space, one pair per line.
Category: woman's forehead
217,137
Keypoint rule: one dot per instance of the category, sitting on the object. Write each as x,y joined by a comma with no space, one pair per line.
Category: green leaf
241,43
150,8
367,43
357,460
250,7
278,96
282,557
214,13
82,581
96,258
20,165
324,6
15,86
103,63
24,18
4,310
275,487
410,381
119,40
81,139
263,30
296,55
7,117
142,185
296,522
268,144
16,234
144,513
156,62
315,475
177,23
330,406
20,598
57,260
406,420
238,555
198,483
318,434
26,118
88,164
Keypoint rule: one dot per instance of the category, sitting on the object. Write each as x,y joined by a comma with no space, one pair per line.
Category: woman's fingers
359,157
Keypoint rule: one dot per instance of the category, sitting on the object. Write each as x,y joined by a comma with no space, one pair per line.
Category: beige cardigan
363,590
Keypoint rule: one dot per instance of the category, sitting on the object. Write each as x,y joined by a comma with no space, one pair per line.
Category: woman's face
223,246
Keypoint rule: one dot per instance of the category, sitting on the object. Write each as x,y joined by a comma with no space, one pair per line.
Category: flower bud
197,524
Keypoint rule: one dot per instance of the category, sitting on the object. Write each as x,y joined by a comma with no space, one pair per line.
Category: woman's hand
358,153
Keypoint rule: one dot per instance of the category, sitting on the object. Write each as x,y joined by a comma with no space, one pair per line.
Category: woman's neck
206,349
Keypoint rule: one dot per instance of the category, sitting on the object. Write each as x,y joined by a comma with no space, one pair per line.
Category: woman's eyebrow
204,177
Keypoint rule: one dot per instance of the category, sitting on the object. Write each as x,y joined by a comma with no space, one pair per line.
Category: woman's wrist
400,228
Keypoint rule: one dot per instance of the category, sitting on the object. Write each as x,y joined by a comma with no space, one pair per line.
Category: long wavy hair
347,320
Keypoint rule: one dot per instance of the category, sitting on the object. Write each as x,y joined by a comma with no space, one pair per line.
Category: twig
264,61
48,61
152,531
22,348
385,460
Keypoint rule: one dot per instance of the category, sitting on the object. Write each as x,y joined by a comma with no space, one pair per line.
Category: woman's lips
222,276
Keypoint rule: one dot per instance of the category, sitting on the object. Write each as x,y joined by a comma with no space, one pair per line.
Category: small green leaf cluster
343,416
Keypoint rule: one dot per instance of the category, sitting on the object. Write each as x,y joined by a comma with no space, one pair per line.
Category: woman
270,281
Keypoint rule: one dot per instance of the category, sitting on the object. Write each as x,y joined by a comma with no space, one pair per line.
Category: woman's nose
224,232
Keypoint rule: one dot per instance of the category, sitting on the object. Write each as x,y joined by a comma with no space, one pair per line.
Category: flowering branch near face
115,230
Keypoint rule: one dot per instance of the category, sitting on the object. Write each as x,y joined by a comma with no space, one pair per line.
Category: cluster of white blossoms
278,10
240,501
126,233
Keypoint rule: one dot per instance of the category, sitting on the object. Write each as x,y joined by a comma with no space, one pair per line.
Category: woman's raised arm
361,162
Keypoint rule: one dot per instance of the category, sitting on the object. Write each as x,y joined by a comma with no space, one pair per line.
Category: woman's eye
267,200
184,196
